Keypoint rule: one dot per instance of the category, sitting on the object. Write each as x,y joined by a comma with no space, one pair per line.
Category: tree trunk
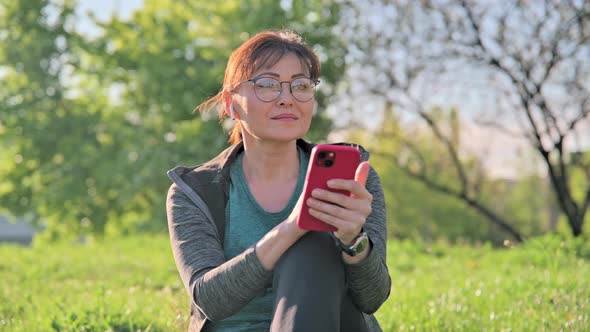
573,212
576,224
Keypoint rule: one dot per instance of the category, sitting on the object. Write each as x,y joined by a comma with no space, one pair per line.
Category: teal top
246,223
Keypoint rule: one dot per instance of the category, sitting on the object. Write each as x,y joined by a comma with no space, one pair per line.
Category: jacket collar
229,155
220,164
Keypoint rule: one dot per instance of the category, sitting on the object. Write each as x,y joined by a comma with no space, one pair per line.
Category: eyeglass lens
269,89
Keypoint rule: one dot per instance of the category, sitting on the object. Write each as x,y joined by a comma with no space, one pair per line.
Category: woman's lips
284,117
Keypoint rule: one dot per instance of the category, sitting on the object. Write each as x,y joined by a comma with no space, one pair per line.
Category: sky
103,10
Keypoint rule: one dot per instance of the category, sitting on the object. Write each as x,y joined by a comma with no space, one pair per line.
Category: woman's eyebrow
268,73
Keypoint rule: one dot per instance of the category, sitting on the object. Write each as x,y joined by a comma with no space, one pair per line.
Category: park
476,115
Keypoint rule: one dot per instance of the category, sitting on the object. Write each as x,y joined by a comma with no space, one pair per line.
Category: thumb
362,172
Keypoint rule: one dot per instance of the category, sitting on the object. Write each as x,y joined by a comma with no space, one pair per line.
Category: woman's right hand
291,220
278,240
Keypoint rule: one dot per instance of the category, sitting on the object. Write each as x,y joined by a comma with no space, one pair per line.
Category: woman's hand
291,221
278,240
347,214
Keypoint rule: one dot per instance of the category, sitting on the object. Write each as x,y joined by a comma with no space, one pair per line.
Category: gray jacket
219,288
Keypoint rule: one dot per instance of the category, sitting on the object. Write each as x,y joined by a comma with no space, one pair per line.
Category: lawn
132,285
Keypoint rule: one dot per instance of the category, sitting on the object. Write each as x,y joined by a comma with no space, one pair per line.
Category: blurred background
477,115
476,112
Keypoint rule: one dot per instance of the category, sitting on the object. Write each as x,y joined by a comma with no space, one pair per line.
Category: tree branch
410,146
585,110
494,62
502,129
478,206
447,143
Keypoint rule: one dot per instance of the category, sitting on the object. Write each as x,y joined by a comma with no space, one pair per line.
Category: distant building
18,231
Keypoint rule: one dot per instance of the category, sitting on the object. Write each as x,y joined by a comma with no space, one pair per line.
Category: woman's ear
232,113
228,106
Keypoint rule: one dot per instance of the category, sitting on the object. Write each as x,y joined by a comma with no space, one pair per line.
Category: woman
232,221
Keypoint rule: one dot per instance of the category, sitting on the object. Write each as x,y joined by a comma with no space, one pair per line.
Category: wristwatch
358,245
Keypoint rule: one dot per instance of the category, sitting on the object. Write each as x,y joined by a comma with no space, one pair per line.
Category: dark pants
311,292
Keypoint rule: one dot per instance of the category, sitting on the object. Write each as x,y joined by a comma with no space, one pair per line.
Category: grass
543,286
132,285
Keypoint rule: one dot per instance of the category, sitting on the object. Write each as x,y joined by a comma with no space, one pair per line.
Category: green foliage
131,284
36,119
88,127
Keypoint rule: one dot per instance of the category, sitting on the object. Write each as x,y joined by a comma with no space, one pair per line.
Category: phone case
327,162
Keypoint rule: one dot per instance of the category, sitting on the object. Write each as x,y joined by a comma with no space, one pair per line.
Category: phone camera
328,163
322,155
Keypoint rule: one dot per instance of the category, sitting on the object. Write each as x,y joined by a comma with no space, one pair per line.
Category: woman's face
283,119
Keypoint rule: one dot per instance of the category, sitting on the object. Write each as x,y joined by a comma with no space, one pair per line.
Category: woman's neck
267,162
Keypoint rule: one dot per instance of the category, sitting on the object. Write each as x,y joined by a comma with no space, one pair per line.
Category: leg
351,319
309,282
310,286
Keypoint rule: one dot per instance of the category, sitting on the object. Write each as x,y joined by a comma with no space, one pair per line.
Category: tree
413,210
90,125
527,58
35,112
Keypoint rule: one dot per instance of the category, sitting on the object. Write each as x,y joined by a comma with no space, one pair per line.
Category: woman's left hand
347,214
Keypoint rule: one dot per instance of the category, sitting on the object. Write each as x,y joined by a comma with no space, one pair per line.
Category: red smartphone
327,162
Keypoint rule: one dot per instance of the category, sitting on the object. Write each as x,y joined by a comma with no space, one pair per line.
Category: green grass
543,286
132,285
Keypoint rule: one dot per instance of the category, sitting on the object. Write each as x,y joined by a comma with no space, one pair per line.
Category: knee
314,256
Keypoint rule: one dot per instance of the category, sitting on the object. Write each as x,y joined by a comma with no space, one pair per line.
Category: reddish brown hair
263,50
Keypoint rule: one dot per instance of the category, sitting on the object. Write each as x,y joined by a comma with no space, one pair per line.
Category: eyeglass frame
253,81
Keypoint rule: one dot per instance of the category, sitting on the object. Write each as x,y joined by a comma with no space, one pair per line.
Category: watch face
359,245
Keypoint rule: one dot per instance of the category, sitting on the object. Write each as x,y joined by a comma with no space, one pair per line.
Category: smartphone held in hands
327,162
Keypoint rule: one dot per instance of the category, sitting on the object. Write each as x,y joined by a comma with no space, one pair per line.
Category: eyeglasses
268,89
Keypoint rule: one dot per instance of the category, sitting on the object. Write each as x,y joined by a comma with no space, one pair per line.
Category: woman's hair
263,50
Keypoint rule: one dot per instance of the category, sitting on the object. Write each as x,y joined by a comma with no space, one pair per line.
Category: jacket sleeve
218,288
369,281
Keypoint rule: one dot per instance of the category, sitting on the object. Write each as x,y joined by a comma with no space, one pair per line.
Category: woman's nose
285,95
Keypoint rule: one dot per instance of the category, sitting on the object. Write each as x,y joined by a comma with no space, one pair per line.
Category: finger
355,216
355,188
342,226
362,205
362,173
